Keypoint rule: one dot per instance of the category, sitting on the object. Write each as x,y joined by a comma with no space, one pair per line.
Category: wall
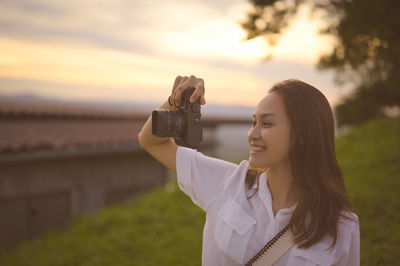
39,195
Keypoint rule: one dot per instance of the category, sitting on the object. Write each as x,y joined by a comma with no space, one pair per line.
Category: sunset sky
132,50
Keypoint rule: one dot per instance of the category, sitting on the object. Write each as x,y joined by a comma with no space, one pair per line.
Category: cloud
179,28
136,48
98,23
120,25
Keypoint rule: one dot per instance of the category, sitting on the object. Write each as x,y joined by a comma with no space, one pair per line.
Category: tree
366,54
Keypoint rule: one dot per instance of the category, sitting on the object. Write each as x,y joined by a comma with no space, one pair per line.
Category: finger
179,80
202,100
198,92
173,97
184,84
178,96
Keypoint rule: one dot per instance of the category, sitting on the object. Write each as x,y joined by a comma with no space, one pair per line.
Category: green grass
165,228
156,228
370,159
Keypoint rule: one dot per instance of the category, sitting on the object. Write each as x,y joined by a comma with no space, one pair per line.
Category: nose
253,133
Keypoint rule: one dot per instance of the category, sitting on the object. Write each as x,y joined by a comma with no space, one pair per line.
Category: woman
292,177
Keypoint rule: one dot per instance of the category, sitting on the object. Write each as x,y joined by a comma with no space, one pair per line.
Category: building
59,161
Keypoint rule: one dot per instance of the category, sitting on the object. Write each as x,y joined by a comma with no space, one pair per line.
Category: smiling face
269,136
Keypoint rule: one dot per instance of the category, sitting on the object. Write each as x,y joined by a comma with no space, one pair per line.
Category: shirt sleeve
352,256
201,177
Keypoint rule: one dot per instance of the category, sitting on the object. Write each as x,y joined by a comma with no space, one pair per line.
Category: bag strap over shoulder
274,249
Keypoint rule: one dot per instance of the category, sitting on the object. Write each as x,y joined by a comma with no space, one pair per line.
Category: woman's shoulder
348,233
321,252
348,221
347,226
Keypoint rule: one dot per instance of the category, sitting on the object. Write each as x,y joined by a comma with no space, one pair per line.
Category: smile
257,148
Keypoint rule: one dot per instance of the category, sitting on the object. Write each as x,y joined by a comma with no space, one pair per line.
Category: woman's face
269,136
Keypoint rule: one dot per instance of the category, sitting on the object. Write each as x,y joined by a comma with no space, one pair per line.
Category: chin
255,164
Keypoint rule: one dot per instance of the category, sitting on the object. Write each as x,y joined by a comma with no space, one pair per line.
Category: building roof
24,134
27,126
51,108
45,128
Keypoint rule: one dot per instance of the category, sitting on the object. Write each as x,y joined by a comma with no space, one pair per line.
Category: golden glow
212,49
219,39
98,67
301,42
73,64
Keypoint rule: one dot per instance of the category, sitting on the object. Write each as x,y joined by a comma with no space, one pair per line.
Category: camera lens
166,123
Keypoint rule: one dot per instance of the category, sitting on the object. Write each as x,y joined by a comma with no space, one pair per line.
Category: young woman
291,176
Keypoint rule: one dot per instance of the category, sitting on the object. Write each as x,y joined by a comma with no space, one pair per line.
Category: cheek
268,136
284,144
277,141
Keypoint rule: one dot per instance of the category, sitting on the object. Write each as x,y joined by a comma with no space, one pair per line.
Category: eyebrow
264,115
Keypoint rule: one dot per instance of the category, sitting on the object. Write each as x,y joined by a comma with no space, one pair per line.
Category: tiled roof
22,134
64,109
27,127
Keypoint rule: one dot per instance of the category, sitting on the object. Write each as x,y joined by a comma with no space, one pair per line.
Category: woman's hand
182,83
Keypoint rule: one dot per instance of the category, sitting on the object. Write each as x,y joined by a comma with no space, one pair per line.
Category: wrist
166,106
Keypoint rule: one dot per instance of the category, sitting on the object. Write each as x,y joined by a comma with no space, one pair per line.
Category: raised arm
163,149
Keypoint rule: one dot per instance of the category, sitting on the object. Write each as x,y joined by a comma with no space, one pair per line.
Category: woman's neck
281,183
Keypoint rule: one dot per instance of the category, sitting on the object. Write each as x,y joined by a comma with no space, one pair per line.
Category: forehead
271,103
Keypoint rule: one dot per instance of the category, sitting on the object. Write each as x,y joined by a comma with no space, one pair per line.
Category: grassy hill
370,159
163,227
157,228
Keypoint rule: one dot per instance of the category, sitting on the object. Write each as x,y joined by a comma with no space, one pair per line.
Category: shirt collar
265,195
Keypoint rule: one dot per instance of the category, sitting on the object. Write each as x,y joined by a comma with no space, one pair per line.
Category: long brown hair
313,162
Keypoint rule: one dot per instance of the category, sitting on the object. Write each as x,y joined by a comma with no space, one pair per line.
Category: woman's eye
265,124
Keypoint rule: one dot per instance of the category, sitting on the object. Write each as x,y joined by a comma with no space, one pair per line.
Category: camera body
182,124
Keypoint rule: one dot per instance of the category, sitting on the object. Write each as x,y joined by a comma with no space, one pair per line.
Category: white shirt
237,228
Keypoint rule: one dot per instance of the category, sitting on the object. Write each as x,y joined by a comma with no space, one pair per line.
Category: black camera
182,124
